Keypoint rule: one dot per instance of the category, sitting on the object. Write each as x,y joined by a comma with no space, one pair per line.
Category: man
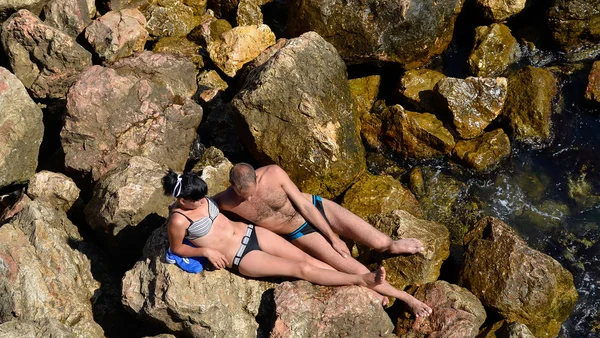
267,197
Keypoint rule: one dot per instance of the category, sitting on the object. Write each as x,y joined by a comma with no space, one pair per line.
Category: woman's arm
176,229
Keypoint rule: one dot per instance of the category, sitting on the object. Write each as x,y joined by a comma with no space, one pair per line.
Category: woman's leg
276,245
261,264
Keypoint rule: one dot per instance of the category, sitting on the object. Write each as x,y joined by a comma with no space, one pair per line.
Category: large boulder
405,32
414,135
306,310
494,51
528,106
592,91
43,274
238,46
126,195
57,189
22,131
500,10
457,313
181,46
296,111
45,59
519,283
168,17
473,102
215,169
140,107
575,26
485,152
118,34
209,304
69,16
372,195
416,88
364,91
413,269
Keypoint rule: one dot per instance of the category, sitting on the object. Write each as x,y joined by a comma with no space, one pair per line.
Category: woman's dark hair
193,187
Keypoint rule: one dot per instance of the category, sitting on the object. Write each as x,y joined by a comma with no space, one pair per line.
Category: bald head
242,176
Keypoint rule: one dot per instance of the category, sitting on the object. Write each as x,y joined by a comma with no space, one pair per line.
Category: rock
517,282
528,106
169,17
364,91
57,189
583,190
592,91
44,275
485,152
306,310
211,303
446,200
415,135
198,6
142,107
503,329
296,111
416,182
249,13
125,196
183,47
379,164
372,195
9,7
500,10
209,29
413,269
575,26
225,9
46,327
494,51
416,87
45,59
22,131
404,32
239,46
456,313
210,85
473,102
68,16
118,34
215,169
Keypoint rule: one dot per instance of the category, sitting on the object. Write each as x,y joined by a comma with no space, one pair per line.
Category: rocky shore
356,100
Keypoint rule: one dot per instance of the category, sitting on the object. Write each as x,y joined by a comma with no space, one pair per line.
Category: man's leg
317,246
345,223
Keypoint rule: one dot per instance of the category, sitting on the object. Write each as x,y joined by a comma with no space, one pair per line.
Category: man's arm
308,210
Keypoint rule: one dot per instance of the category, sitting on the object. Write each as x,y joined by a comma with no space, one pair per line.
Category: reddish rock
592,91
70,16
457,313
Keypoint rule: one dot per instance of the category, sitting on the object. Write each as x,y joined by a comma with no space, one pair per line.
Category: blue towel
189,264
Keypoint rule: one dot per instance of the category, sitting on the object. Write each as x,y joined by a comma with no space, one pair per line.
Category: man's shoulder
225,197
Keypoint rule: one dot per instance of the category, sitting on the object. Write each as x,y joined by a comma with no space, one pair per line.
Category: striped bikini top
201,227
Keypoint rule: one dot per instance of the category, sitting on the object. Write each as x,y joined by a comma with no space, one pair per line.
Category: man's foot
406,246
418,308
374,278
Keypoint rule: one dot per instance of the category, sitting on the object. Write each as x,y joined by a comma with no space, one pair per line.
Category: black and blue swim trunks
308,228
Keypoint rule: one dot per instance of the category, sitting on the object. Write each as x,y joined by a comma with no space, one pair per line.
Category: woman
251,251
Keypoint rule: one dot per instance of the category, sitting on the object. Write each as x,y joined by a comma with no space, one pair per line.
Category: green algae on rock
485,152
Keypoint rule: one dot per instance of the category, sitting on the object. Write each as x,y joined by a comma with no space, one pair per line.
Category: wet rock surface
417,88
494,51
485,152
22,131
45,59
404,32
519,283
456,313
528,106
473,102
575,26
317,141
306,310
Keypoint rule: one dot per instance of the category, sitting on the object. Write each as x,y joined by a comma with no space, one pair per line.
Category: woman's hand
216,258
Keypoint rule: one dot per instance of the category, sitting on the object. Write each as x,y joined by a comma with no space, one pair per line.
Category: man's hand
216,258
339,246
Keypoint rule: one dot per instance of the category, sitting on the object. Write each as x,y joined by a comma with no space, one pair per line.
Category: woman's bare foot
374,278
406,246
418,308
381,298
